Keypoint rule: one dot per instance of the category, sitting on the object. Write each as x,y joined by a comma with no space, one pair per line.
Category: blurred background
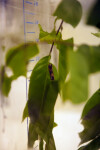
14,29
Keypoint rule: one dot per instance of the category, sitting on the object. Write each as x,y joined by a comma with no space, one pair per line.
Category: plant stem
56,35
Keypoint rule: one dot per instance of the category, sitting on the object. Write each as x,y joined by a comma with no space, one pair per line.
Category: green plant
70,79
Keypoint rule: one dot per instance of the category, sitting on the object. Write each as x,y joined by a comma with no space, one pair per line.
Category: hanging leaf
69,11
45,36
91,118
40,94
41,98
94,17
97,34
92,56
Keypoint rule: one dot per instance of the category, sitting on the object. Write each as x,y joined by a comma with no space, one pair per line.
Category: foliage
91,121
17,59
69,79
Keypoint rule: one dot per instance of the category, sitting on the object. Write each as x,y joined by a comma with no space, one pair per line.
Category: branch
56,35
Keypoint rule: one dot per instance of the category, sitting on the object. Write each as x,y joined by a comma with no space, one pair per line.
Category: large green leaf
92,56
42,90
45,36
93,145
76,88
94,15
17,58
69,11
41,98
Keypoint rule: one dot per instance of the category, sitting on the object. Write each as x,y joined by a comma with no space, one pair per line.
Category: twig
56,35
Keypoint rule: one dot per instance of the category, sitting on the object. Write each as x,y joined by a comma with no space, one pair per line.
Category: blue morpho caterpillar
51,71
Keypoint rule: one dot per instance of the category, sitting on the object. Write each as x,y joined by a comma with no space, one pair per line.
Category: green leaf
32,135
45,36
93,145
76,87
25,112
42,97
90,132
91,118
94,17
92,102
42,90
97,34
63,48
92,56
39,82
69,11
17,58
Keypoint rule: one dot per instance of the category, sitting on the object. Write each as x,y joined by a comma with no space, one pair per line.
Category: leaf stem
56,35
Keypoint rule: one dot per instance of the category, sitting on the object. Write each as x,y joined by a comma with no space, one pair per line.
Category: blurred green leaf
94,15
45,36
69,11
63,48
97,34
76,87
93,145
17,58
92,56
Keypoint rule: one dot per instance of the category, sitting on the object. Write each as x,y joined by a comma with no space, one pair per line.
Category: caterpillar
51,72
